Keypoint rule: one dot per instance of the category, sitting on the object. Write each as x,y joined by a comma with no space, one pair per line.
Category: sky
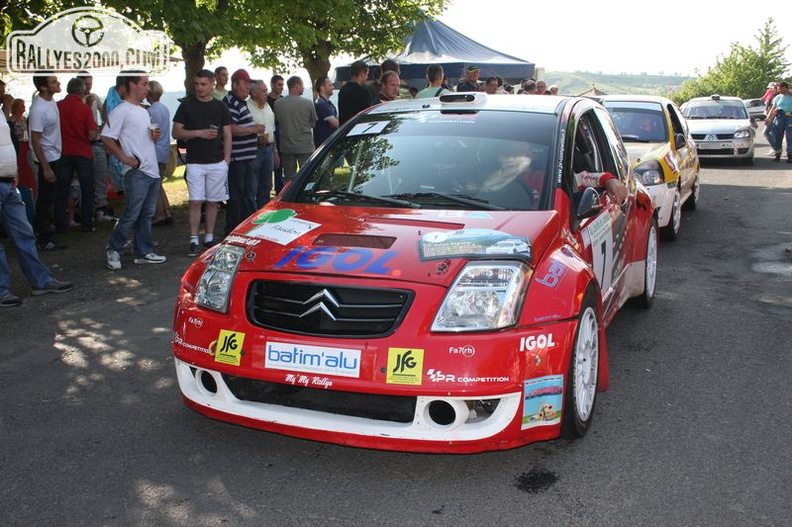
608,36
616,36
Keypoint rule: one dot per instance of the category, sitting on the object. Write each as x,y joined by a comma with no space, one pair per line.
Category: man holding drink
127,135
204,123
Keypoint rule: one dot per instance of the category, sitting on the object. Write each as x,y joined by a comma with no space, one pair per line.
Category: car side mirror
679,140
589,204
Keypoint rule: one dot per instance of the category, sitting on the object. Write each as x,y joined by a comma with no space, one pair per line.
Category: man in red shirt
78,129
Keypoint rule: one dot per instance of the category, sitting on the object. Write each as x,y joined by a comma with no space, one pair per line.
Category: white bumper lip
421,428
663,199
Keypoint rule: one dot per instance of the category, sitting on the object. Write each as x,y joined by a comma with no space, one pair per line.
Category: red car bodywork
445,399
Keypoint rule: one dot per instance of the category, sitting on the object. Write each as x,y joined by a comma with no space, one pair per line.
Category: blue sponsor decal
339,258
554,275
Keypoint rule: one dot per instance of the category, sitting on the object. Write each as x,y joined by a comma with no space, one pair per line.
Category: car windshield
639,122
491,160
715,110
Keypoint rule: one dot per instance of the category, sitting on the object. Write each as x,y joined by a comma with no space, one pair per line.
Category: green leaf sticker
274,216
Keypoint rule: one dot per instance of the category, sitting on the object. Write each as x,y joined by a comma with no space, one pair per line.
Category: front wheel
581,391
692,201
670,231
646,298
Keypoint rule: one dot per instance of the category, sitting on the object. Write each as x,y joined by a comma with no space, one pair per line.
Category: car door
685,156
597,142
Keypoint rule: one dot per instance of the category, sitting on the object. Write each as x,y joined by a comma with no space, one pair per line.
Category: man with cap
242,181
471,80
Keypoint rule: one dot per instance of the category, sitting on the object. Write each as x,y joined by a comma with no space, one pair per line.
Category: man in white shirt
45,142
129,137
267,155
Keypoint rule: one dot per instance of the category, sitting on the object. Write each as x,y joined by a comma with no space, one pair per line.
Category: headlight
215,283
742,134
485,296
650,173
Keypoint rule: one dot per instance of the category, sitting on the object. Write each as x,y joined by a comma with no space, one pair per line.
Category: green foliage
744,73
306,33
577,82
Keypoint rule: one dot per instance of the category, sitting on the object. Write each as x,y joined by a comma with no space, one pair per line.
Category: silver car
757,108
721,127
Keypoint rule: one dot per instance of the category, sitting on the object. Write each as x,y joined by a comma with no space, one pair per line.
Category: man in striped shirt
242,181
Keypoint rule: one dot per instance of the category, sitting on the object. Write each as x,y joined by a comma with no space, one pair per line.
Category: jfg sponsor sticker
405,366
542,401
229,347
312,359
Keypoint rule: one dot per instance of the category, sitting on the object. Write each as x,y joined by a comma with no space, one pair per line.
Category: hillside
577,82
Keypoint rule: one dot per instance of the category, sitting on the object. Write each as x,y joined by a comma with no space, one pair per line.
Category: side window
614,155
586,155
677,120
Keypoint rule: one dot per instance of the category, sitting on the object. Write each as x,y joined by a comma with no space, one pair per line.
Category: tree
745,72
306,33
286,33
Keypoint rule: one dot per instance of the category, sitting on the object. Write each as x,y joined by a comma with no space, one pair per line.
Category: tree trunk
317,61
194,56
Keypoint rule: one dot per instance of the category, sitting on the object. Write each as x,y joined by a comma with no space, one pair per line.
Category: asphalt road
695,429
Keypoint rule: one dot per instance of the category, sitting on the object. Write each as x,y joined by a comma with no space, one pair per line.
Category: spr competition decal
471,242
542,401
280,226
405,366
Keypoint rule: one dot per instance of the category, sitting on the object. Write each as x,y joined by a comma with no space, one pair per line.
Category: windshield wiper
354,196
462,199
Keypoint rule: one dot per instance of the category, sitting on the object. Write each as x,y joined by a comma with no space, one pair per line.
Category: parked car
721,127
434,280
662,153
757,108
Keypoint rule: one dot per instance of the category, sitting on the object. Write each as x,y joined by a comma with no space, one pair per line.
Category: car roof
714,98
636,98
546,104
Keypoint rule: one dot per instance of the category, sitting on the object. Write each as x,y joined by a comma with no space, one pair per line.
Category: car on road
436,279
721,128
757,108
662,153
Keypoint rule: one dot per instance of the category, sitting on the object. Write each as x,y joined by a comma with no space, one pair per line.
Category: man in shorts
204,123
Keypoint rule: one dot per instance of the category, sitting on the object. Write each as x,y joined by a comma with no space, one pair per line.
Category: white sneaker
150,258
113,260
102,216
771,152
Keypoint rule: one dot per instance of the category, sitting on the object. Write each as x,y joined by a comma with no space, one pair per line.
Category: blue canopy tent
433,42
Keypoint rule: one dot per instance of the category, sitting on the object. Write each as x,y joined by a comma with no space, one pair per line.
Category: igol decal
341,259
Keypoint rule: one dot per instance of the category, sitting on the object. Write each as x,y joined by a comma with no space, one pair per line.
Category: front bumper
467,393
460,427
726,148
663,200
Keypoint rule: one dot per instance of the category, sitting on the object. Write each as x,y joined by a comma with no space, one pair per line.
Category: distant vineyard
578,82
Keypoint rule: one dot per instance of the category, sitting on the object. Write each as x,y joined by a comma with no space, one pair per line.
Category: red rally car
435,280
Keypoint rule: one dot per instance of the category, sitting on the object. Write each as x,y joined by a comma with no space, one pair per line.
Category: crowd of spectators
242,141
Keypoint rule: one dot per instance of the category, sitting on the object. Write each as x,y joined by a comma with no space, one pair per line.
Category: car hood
415,245
640,152
717,126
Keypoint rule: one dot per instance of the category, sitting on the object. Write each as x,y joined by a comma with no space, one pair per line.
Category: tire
670,231
581,386
692,201
645,299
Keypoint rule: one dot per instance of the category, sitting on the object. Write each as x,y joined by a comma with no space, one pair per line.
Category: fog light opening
206,382
442,413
